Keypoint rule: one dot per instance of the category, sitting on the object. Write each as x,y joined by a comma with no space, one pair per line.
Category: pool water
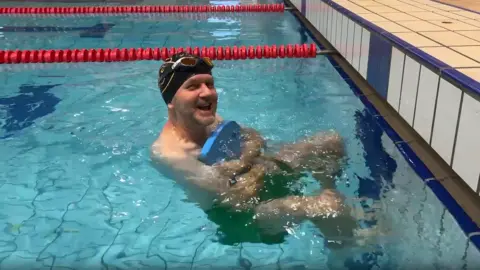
78,191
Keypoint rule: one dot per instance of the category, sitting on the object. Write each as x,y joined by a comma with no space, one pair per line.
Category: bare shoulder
167,148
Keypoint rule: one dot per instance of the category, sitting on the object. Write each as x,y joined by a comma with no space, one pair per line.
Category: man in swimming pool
187,87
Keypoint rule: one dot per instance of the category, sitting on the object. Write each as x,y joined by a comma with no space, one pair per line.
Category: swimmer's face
196,101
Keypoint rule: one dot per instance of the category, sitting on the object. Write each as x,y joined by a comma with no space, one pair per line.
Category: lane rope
142,17
138,54
144,9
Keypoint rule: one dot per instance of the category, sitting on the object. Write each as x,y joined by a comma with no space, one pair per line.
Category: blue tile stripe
304,7
444,69
465,222
475,240
378,72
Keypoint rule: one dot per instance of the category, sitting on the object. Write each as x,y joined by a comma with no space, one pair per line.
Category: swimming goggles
188,63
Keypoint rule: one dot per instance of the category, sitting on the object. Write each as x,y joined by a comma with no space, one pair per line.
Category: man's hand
232,168
253,143
243,194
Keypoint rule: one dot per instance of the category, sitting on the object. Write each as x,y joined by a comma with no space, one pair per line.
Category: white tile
343,42
296,4
357,42
446,116
350,37
427,93
336,18
338,35
318,22
323,18
329,23
364,47
408,97
341,34
313,12
327,20
332,24
308,10
466,159
395,79
313,8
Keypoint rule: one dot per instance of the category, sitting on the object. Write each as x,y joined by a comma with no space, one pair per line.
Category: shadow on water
95,31
381,165
32,102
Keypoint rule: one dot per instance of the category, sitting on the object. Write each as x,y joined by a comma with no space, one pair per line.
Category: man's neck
197,135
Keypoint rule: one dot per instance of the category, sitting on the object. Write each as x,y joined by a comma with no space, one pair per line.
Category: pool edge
442,180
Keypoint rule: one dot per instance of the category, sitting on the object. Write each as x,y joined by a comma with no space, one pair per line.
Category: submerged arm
215,179
188,169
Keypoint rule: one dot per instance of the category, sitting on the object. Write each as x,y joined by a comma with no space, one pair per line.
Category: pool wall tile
297,4
357,43
475,240
364,53
319,13
350,40
395,80
324,18
445,121
380,54
426,100
408,96
333,25
439,102
343,40
466,156
338,31
328,25
308,12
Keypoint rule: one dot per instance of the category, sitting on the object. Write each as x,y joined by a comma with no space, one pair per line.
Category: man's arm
253,143
214,179
189,169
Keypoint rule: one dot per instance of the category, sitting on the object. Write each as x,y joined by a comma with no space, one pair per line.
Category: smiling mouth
207,107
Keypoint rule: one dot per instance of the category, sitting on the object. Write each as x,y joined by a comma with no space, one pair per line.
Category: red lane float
144,9
142,17
137,54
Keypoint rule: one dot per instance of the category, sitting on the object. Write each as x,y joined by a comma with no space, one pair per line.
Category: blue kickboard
223,144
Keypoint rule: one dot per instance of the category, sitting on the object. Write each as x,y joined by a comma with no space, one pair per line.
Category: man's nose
205,90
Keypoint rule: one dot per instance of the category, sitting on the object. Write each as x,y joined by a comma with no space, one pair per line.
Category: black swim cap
170,79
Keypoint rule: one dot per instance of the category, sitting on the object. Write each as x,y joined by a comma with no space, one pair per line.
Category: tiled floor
469,4
448,33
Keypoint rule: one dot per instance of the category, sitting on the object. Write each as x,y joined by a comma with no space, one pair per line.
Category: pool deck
467,4
450,34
